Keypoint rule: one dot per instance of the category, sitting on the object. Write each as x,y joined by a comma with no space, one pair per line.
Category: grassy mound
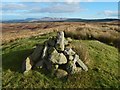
103,66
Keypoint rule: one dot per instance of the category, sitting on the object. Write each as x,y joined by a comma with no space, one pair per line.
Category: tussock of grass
81,50
110,37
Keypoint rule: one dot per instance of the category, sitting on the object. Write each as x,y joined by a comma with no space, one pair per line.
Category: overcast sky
68,9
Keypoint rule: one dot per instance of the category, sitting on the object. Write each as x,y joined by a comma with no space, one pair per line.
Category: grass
103,66
107,36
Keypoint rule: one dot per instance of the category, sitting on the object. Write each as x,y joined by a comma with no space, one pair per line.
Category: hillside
102,61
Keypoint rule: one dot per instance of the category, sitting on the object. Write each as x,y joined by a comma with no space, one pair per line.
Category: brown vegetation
107,32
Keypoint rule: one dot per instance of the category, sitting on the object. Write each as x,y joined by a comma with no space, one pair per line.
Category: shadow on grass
14,59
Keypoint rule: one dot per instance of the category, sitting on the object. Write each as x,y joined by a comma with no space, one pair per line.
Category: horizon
62,17
82,10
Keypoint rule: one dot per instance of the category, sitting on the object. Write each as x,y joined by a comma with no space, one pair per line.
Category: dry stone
61,73
71,57
57,58
65,42
44,54
60,41
69,51
27,65
77,59
39,64
37,53
69,39
71,67
53,55
51,42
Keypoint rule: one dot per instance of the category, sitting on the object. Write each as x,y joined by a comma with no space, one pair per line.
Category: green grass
103,66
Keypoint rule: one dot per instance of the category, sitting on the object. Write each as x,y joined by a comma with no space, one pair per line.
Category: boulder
27,65
60,41
57,58
69,51
77,59
37,53
61,73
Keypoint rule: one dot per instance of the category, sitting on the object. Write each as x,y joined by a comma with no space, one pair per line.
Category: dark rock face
54,54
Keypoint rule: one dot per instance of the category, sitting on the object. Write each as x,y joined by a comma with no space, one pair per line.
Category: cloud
58,8
13,6
54,8
111,13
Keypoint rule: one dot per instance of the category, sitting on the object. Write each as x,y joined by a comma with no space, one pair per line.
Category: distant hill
50,19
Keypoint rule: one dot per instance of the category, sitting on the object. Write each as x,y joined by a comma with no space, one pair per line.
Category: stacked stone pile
56,56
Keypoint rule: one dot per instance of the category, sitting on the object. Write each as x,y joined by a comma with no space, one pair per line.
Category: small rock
77,59
71,57
56,67
44,54
65,42
57,58
69,51
78,70
60,41
62,59
61,73
27,65
69,39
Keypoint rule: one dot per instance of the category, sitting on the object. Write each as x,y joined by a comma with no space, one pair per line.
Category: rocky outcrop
53,55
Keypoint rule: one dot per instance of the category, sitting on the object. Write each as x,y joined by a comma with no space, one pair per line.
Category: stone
37,53
51,50
71,57
48,64
44,54
62,59
60,41
27,65
77,59
51,42
61,73
56,66
57,58
39,64
65,42
69,39
69,51
71,67
78,70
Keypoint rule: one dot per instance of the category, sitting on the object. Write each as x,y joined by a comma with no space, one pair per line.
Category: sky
63,9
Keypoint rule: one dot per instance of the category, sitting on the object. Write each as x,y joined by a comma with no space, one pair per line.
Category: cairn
56,56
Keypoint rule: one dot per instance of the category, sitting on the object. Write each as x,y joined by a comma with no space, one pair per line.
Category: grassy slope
103,67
